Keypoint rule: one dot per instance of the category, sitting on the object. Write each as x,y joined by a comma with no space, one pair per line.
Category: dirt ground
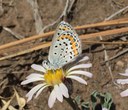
17,15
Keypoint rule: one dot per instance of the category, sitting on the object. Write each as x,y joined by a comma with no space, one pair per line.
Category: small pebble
120,63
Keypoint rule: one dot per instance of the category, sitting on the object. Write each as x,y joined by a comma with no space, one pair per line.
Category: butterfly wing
65,47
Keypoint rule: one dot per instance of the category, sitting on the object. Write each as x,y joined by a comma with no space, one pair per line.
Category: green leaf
85,106
78,100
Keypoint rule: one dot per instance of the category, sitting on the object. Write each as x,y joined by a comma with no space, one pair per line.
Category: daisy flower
55,80
123,81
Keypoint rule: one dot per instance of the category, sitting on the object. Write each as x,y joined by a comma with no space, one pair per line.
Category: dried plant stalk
106,23
27,51
106,43
104,33
87,36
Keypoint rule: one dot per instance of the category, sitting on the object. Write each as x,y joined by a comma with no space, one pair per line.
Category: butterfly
65,47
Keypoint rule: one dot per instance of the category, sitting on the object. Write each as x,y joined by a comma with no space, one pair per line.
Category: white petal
84,59
37,94
126,71
124,93
52,99
33,91
59,95
88,74
122,81
104,109
64,90
77,79
38,68
80,66
31,80
124,74
33,75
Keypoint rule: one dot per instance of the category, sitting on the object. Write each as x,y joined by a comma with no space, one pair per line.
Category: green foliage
104,99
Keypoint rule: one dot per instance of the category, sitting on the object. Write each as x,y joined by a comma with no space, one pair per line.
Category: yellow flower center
53,77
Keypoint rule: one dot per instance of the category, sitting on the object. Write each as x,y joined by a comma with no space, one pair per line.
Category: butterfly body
65,47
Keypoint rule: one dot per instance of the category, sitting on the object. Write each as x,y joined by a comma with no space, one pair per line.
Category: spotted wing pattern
65,47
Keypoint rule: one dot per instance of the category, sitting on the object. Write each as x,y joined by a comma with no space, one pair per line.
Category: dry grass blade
37,17
105,51
104,33
27,51
48,44
115,14
7,105
60,17
18,36
106,43
21,101
25,40
106,23
117,55
87,36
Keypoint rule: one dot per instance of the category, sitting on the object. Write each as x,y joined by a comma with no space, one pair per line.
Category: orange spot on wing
75,49
64,28
73,44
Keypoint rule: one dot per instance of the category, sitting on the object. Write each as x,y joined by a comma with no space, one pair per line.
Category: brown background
18,16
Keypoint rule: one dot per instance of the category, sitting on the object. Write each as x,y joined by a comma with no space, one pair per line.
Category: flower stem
72,103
